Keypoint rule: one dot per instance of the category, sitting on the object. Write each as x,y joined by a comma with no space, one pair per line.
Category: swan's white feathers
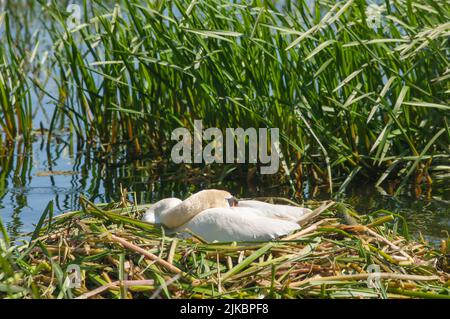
154,213
285,212
149,217
237,224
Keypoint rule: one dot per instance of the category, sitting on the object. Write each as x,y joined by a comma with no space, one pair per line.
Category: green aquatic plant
15,98
353,99
23,70
350,99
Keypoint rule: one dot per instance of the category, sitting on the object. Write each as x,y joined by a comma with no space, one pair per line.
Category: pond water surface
27,186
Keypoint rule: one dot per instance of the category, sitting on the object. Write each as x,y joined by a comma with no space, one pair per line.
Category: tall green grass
15,99
350,100
22,70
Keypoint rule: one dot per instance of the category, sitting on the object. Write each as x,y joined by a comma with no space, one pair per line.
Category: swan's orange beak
232,201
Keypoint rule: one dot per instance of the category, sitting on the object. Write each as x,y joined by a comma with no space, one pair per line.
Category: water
29,187
26,187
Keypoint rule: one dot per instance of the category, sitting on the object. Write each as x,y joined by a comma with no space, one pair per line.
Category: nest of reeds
112,254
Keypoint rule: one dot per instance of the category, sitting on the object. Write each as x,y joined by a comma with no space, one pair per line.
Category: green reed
15,98
22,71
351,100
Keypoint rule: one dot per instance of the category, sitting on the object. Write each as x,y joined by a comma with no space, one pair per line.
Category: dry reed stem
125,283
382,275
147,254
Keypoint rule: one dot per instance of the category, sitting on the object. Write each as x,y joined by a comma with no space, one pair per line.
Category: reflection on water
26,187
431,218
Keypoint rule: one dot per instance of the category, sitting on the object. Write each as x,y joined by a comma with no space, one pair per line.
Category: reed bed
351,99
333,256
15,99
23,70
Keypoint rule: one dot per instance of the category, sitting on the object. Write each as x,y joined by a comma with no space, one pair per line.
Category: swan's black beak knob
232,201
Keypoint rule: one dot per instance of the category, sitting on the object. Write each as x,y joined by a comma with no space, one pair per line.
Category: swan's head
153,214
173,213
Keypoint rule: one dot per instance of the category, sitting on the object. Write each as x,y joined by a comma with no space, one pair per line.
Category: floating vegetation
56,173
339,254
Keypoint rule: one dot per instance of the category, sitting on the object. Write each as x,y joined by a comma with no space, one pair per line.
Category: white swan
217,216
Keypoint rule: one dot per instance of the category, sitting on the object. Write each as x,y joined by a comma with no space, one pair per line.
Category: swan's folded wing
237,224
285,212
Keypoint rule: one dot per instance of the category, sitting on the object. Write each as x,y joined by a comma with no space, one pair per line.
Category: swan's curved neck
181,214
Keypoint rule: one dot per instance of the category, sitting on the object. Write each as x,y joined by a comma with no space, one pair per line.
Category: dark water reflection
427,217
26,188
